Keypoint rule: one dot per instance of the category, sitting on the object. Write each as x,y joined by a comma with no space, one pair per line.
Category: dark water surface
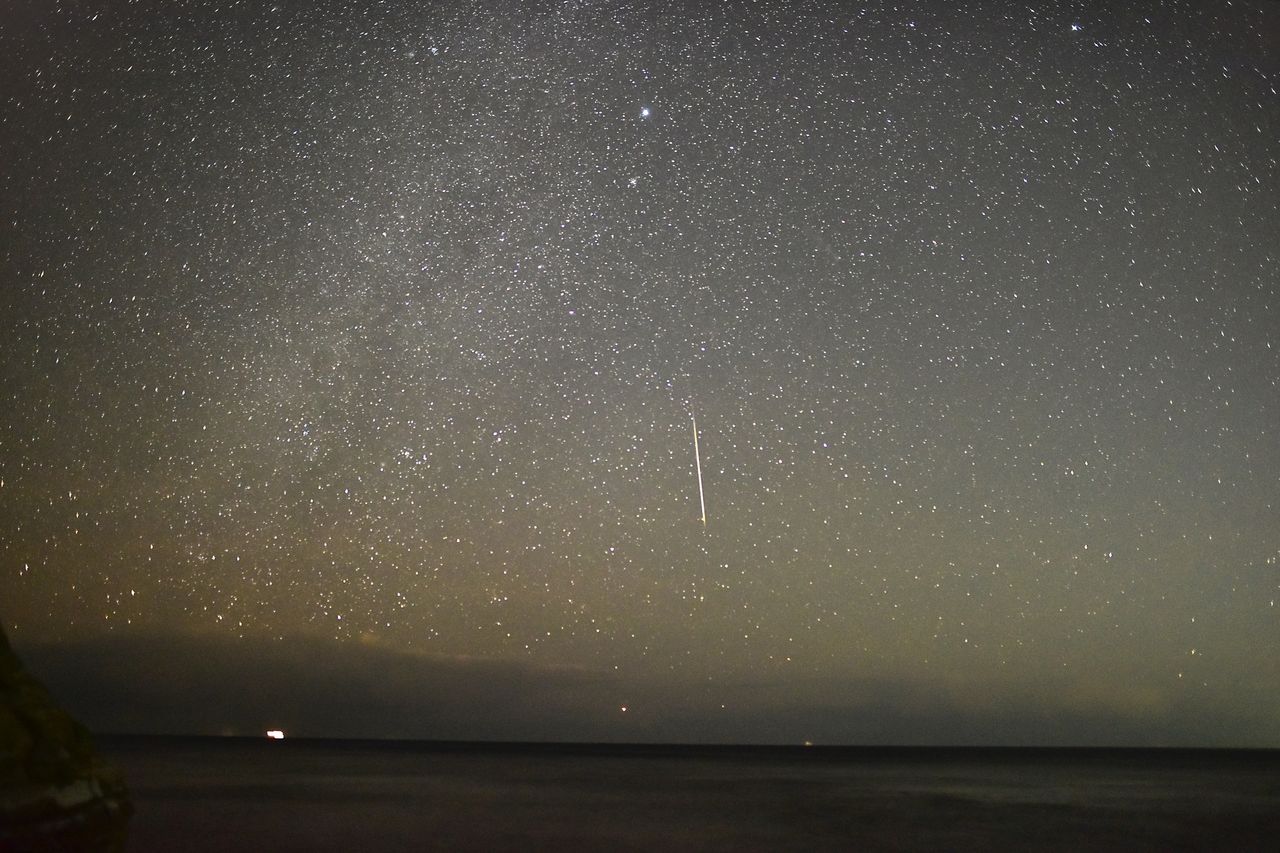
236,794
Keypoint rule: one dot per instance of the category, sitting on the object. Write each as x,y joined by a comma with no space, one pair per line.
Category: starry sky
371,333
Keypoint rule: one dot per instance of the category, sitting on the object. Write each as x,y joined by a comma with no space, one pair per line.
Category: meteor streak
697,460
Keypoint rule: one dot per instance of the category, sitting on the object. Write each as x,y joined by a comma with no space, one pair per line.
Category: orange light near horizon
275,734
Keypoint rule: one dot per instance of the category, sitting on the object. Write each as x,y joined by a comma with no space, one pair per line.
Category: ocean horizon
252,793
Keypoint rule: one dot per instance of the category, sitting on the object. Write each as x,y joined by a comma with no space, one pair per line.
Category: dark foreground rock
56,794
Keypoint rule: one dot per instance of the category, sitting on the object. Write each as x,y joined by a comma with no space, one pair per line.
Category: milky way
386,323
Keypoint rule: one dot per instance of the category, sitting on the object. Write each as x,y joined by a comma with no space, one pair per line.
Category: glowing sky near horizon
386,323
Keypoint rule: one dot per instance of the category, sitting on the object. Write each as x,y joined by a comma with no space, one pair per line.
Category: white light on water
275,734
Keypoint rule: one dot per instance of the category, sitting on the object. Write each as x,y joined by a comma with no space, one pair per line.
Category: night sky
354,347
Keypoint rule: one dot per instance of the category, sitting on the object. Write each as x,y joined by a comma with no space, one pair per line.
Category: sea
230,794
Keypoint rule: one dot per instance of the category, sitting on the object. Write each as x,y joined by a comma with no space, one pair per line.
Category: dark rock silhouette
56,793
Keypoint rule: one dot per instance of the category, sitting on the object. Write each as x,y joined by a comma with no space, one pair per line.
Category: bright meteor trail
697,461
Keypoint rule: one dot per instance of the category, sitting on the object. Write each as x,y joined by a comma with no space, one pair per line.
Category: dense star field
385,324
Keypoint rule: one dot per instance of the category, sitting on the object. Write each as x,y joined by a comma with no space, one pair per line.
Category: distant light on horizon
275,734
